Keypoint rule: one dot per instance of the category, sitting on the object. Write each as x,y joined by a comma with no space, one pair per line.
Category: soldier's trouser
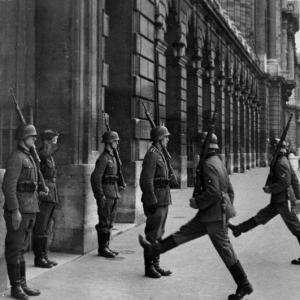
273,209
107,210
16,241
41,229
217,234
155,223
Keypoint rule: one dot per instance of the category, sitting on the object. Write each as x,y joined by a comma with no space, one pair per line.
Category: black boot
150,270
243,285
297,260
157,248
39,260
159,269
45,251
237,230
103,249
16,291
113,251
28,291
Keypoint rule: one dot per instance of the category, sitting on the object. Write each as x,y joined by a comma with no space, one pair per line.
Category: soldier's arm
147,177
212,193
283,174
97,177
230,191
10,181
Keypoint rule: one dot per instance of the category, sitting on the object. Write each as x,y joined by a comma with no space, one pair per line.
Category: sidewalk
198,272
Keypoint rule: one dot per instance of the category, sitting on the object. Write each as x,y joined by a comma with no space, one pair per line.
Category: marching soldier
155,184
20,185
279,186
105,184
216,190
47,203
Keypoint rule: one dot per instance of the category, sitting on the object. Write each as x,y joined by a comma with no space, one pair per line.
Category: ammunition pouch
110,179
53,180
26,187
161,182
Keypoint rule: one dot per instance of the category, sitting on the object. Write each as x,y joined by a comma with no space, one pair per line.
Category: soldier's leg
103,227
219,237
30,224
261,218
14,243
161,231
191,230
113,215
40,236
292,223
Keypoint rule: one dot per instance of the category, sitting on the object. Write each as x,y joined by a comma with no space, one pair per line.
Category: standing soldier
47,203
216,191
20,186
105,183
281,190
155,184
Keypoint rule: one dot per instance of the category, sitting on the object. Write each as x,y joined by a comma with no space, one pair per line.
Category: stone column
291,54
253,134
229,117
284,41
236,130
242,124
176,117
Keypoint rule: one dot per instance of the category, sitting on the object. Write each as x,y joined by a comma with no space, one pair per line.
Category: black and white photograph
150,149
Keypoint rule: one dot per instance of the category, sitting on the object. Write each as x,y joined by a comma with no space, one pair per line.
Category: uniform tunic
47,202
19,187
156,197
104,181
208,219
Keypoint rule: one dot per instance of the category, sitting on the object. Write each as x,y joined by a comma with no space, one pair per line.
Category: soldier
105,184
47,203
216,189
155,184
279,186
20,186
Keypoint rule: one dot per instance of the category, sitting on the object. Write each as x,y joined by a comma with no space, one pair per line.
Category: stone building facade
69,61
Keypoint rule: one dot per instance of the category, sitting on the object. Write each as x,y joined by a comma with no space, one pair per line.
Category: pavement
198,272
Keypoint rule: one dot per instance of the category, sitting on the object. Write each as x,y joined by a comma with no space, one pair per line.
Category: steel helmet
276,141
213,141
48,134
158,133
110,136
25,131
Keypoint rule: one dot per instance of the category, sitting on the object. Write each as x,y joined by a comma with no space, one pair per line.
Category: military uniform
156,197
20,184
216,189
104,181
281,191
47,205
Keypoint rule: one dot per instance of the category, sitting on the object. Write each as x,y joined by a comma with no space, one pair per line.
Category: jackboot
16,290
111,250
45,251
244,287
28,291
38,248
237,230
150,270
103,249
157,248
158,268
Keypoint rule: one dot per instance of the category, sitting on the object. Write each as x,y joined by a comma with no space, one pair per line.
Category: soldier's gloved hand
16,219
152,208
193,203
44,193
267,189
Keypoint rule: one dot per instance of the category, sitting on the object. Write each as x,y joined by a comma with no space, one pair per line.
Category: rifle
204,150
164,149
33,149
278,147
121,180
